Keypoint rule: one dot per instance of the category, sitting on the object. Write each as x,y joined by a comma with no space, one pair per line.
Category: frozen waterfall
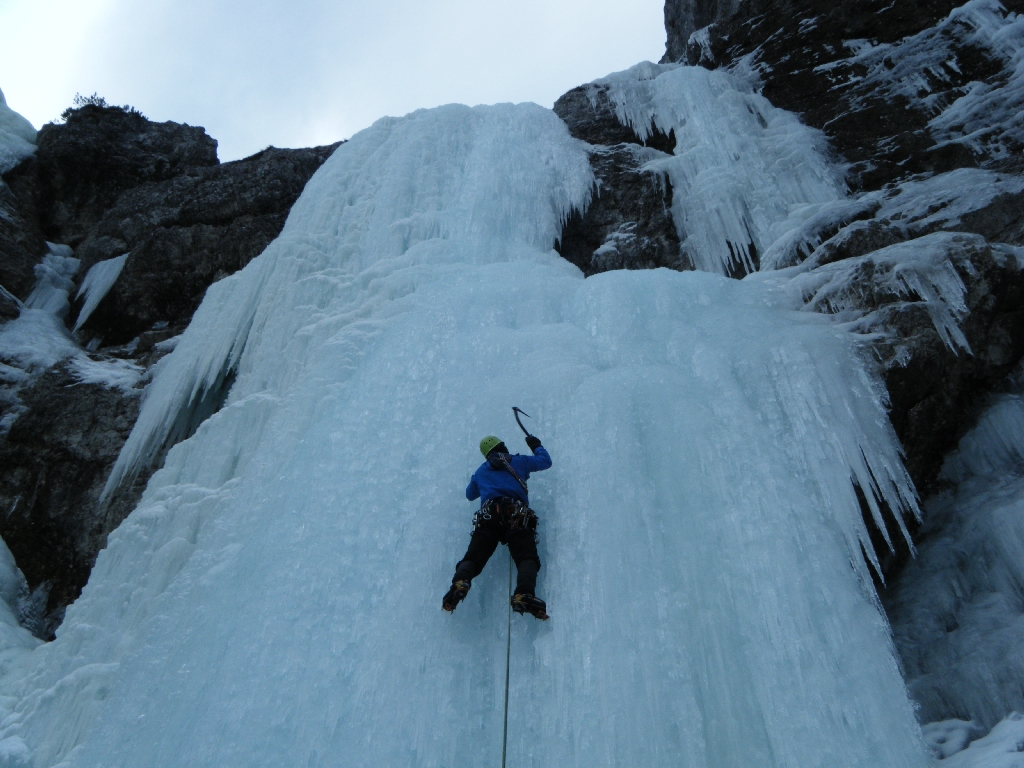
275,598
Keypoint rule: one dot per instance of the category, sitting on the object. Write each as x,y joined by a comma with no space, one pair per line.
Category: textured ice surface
17,137
14,639
16,642
97,282
275,599
924,269
941,201
990,115
37,338
740,168
805,227
958,611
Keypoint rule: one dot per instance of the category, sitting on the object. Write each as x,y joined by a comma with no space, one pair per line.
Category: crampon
524,603
455,595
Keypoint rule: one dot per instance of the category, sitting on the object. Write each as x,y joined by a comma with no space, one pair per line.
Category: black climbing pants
522,545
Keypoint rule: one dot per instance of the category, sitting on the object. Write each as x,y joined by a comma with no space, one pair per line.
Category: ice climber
505,517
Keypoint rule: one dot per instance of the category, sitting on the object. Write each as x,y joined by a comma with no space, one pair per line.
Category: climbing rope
508,655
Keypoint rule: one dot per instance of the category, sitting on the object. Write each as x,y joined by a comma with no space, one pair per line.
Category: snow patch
623,235
912,67
1003,747
990,116
947,737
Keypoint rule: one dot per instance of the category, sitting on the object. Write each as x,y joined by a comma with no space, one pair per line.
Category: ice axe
516,412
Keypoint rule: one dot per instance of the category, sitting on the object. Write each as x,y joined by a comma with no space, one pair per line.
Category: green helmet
488,444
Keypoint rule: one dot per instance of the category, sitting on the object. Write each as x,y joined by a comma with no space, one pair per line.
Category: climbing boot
526,603
458,592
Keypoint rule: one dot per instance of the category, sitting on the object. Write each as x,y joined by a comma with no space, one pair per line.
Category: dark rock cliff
82,167
627,224
684,17
183,233
55,461
109,182
21,245
871,75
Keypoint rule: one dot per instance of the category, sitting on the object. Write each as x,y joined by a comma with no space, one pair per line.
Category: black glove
533,442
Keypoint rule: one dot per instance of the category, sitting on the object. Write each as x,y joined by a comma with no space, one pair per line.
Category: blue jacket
490,483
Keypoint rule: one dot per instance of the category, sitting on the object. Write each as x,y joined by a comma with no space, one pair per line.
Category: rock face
684,17
110,182
56,458
21,246
873,76
186,232
628,224
880,80
82,167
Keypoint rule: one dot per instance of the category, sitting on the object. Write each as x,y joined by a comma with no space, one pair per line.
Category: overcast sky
295,73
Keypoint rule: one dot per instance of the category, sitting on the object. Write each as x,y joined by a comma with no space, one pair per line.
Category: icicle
37,338
97,282
740,166
924,269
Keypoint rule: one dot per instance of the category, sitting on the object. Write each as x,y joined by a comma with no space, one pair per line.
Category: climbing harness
511,514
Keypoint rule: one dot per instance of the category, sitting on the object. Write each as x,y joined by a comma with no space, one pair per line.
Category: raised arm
540,459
